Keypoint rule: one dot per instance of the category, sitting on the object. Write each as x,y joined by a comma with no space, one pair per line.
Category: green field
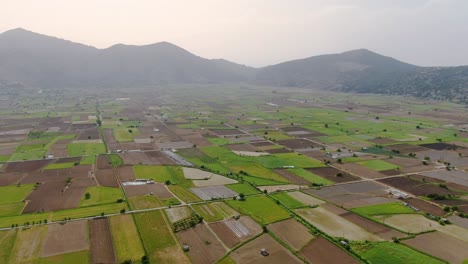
126,239
88,160
244,188
183,194
212,212
123,134
60,215
116,160
7,240
288,159
287,200
54,166
260,208
144,202
80,149
392,253
154,233
11,208
257,170
383,209
162,174
102,195
14,193
378,165
309,176
260,181
218,141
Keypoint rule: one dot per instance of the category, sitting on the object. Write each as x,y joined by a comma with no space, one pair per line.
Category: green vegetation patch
54,166
88,160
391,253
183,194
124,134
212,212
116,160
287,200
162,174
7,240
218,140
288,159
256,181
144,202
378,165
309,176
102,195
256,170
154,233
11,208
383,209
15,193
126,239
260,208
80,149
244,188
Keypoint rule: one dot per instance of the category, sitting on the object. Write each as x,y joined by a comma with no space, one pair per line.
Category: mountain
43,61
364,71
31,59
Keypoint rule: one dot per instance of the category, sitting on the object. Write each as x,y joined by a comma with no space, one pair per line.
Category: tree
241,196
87,196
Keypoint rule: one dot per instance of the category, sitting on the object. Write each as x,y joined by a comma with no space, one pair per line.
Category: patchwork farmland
185,178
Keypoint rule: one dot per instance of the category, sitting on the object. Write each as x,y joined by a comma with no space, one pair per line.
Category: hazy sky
257,32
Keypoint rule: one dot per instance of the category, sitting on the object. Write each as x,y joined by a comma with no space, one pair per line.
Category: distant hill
43,61
36,60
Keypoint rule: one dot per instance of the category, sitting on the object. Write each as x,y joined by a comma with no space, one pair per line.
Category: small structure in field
186,248
264,252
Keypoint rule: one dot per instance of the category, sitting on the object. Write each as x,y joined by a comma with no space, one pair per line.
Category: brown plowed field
250,252
241,147
76,172
415,187
225,230
125,173
103,162
25,166
371,226
204,246
66,238
11,178
440,146
147,158
360,170
278,150
440,245
291,177
390,172
107,178
292,233
102,251
227,132
297,143
91,133
49,197
425,206
331,174
67,160
322,251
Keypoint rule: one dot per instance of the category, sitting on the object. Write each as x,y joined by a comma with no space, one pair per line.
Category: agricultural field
260,208
310,176
388,252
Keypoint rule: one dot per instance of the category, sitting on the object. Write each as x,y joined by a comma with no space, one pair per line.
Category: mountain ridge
37,60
